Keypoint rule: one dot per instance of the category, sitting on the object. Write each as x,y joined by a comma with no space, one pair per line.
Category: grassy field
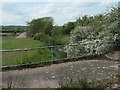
22,57
13,43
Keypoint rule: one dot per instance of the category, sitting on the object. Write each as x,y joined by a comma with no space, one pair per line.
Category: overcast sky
18,13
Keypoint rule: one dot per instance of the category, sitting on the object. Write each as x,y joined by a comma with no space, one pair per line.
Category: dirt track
52,76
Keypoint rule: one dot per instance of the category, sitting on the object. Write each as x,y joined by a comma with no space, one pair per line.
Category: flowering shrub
101,35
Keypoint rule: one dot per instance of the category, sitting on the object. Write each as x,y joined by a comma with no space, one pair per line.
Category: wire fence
47,53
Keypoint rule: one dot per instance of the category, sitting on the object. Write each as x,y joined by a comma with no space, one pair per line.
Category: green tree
43,25
68,27
83,21
57,30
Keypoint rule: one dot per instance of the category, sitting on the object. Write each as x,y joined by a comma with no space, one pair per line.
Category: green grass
83,84
22,57
0,44
14,43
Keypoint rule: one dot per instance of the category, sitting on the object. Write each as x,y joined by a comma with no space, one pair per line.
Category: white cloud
0,17
82,0
24,0
10,18
61,12
59,0
106,3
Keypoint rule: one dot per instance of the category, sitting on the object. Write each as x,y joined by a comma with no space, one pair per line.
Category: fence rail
53,53
27,49
47,63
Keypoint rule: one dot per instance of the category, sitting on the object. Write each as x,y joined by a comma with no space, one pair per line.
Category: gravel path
54,75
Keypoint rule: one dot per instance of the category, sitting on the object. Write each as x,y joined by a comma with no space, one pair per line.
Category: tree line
101,26
12,29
